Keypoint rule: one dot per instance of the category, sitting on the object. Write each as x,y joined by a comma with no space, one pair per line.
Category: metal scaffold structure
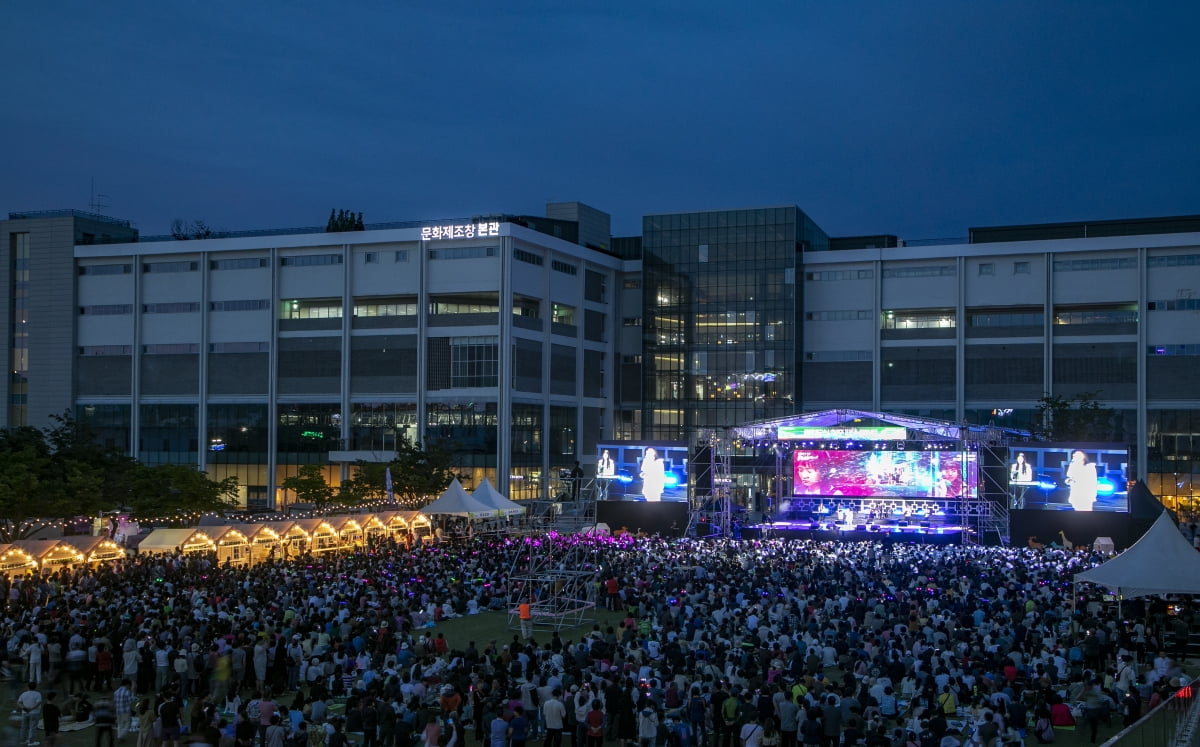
710,505
554,576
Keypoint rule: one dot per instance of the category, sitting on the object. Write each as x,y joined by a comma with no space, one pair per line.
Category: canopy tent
51,554
374,527
489,496
1161,562
16,562
167,541
456,501
96,549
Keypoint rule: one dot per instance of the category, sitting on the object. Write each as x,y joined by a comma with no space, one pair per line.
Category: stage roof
918,427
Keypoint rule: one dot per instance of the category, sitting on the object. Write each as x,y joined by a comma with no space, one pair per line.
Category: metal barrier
1174,722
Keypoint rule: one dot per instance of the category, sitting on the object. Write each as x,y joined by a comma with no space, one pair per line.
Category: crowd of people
714,643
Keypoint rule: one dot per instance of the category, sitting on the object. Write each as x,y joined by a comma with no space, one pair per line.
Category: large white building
980,331
251,356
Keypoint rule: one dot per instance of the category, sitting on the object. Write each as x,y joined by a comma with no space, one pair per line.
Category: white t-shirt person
752,734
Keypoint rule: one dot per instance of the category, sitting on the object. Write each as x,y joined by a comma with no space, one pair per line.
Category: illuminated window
562,314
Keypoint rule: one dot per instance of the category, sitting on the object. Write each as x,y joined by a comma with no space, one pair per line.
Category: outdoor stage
920,533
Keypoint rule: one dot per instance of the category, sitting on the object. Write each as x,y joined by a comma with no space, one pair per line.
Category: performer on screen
606,467
1081,476
1021,470
606,470
654,475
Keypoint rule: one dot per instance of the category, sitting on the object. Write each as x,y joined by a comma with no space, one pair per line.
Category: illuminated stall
16,562
373,527
417,523
293,539
350,531
322,536
96,550
232,545
168,541
51,554
263,540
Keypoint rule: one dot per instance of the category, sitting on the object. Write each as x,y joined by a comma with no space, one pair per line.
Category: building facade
252,356
980,331
37,270
721,326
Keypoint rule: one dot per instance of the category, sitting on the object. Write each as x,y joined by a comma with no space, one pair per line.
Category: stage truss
983,517
710,505
552,576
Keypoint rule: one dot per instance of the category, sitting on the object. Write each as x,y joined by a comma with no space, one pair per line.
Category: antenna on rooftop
98,202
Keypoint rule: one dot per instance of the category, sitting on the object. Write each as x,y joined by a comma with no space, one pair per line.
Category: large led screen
1069,477
896,474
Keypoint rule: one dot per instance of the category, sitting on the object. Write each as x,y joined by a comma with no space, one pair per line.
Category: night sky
915,118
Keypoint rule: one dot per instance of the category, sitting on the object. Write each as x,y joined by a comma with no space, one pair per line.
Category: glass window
562,314
311,308
918,319
311,260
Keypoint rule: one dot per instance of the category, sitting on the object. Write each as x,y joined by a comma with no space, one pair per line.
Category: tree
64,471
182,230
167,489
367,483
309,486
1080,418
421,473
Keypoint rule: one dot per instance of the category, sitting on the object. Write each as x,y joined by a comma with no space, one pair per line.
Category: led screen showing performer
900,474
1069,477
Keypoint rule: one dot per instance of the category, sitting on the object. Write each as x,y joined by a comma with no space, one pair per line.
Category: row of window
1020,267
1185,349
827,356
841,315
1083,265
528,258
1175,304
841,275
371,258
925,271
463,252
174,307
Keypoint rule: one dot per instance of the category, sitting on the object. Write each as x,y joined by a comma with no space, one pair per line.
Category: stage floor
935,534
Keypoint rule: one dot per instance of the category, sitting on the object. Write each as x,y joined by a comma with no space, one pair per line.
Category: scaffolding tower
553,575
710,502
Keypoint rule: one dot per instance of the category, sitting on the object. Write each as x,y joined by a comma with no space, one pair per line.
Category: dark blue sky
915,118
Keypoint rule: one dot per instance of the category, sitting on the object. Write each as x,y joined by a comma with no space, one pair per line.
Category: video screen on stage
896,474
642,471
1069,477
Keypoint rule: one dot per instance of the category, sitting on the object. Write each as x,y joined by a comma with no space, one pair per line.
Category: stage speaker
860,528
874,527
924,524
700,468
903,522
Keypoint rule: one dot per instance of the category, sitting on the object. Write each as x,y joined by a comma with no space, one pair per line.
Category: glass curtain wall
237,447
720,325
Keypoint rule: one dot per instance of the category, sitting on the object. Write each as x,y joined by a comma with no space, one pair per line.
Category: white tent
501,506
456,501
1161,562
